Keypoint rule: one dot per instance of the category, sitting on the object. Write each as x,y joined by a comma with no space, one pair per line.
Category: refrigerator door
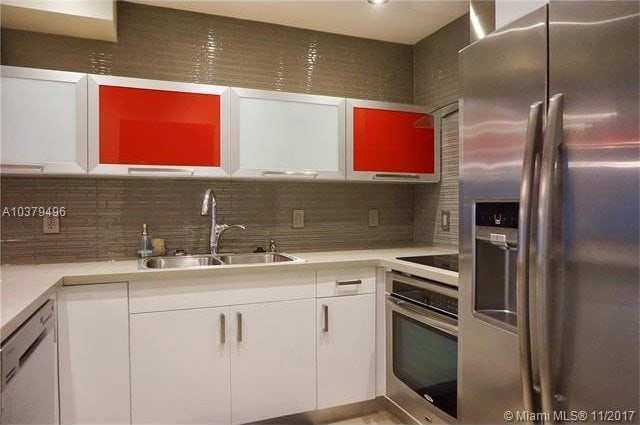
593,285
502,75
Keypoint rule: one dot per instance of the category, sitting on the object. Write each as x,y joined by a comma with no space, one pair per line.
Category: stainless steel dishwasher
28,367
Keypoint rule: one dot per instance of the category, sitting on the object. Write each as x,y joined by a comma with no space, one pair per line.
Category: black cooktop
447,262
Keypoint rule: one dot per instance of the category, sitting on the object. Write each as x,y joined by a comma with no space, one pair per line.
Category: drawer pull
139,171
306,174
239,328
325,313
396,176
349,282
223,328
22,167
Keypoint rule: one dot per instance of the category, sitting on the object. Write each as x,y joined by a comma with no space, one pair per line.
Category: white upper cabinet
287,135
44,121
143,127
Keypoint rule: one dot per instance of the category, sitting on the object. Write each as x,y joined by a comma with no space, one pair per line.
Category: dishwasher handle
24,342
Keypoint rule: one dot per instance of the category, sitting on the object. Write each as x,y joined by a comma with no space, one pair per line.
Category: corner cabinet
157,128
391,142
44,121
287,135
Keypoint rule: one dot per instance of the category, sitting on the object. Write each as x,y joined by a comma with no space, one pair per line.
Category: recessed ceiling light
376,2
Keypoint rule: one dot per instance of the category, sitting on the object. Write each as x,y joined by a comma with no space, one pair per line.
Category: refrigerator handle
550,154
532,153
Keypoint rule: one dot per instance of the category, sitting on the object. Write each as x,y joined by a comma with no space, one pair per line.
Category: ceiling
398,21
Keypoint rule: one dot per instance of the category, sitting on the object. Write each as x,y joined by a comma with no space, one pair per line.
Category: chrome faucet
217,230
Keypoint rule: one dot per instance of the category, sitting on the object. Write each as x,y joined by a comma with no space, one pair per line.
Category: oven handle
407,306
438,287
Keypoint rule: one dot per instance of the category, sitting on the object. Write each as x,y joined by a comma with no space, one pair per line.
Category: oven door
422,361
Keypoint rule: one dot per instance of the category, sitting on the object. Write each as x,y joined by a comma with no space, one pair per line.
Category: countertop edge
14,322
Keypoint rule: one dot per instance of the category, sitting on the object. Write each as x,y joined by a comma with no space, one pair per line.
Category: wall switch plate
297,221
374,218
445,220
51,224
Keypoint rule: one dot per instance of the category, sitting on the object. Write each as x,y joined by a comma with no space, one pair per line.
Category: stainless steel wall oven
422,347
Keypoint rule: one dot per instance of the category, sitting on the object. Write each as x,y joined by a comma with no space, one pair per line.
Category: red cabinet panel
392,141
158,127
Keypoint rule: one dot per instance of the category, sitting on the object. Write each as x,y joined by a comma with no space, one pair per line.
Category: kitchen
350,165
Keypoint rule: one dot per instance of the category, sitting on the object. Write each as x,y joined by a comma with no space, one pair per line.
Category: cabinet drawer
347,281
176,294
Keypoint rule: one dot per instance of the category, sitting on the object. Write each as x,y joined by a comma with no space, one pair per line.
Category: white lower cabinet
93,354
223,365
346,341
180,367
273,360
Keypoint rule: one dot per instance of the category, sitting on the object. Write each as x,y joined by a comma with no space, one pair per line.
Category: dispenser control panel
497,214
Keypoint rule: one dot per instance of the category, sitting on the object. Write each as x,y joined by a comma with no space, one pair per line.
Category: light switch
374,217
445,220
298,219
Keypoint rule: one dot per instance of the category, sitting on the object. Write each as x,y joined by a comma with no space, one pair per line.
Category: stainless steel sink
180,262
257,258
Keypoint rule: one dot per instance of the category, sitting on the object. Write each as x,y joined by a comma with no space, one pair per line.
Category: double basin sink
186,261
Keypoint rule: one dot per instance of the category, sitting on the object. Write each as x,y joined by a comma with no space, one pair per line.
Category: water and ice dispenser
495,253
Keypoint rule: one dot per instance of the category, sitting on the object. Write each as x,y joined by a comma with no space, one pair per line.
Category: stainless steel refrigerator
550,212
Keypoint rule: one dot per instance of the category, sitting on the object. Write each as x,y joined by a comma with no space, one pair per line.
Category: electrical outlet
374,217
445,220
297,221
51,224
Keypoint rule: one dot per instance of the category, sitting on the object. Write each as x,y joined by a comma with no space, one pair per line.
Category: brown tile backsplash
436,84
168,44
105,216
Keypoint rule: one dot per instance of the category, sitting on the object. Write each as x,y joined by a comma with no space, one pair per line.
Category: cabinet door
44,121
180,369
286,135
93,354
157,128
346,339
391,142
273,360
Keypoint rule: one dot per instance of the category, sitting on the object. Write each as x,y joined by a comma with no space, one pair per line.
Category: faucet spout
209,202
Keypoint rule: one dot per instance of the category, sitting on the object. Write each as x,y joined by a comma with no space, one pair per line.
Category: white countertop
23,288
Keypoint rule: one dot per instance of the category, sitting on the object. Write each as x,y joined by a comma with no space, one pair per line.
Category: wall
176,45
184,46
104,216
436,84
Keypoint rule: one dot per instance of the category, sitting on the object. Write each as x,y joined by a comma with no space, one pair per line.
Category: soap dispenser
145,243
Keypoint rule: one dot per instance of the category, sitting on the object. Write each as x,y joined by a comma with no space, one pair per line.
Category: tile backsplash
436,84
168,44
105,216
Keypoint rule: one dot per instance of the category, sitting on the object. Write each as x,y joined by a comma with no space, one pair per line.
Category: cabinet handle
349,282
223,328
309,174
395,176
325,314
138,171
25,167
239,326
